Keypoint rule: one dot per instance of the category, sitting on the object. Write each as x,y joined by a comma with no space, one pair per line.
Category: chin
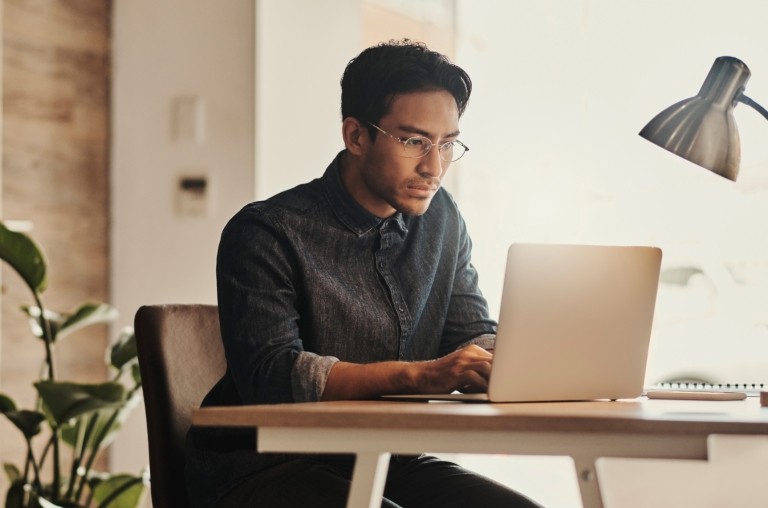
416,209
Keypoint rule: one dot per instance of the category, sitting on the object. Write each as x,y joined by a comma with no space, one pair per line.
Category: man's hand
466,370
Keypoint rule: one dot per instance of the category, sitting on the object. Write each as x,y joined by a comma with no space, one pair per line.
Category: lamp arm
749,102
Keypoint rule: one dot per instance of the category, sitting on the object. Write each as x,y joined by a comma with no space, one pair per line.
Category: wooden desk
584,431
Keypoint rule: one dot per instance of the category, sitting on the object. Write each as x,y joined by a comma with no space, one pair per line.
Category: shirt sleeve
486,341
258,309
468,320
309,374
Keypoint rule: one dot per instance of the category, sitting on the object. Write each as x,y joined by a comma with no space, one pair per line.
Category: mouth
422,189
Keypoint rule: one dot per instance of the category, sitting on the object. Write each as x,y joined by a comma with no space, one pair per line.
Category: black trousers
412,482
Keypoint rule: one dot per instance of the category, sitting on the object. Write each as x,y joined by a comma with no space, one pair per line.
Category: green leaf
119,491
65,401
25,257
54,319
6,403
136,372
88,314
11,472
104,425
28,422
124,351
64,324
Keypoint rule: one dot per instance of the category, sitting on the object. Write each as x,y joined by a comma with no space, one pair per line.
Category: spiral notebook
575,324
693,387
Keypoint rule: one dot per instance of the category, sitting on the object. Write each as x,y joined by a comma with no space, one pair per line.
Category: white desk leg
588,485
368,478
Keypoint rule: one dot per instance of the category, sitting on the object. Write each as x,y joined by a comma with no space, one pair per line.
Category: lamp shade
702,129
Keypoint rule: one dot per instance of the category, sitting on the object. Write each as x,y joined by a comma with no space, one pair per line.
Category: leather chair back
181,357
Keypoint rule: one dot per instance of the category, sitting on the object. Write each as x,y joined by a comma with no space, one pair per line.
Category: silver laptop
575,324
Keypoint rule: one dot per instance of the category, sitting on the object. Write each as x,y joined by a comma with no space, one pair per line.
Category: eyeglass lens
418,146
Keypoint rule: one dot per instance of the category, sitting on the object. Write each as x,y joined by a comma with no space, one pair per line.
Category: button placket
388,236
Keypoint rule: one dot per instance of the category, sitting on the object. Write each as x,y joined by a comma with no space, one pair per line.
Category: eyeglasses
419,146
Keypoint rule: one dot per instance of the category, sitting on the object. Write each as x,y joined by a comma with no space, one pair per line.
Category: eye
415,141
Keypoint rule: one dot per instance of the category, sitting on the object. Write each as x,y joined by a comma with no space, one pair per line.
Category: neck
349,169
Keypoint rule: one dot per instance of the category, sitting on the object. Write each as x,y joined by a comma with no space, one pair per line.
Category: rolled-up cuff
486,341
310,371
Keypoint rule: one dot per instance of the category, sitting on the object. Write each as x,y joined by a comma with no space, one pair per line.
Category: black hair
373,79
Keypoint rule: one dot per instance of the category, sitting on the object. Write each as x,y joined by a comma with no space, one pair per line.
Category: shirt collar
349,212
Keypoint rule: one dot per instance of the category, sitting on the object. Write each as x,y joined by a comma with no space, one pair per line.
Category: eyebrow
422,132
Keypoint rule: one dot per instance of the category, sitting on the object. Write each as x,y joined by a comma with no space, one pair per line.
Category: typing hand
466,370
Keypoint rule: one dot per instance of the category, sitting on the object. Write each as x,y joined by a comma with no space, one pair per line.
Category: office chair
181,356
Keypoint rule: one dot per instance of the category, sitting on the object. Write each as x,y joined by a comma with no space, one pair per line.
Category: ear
355,135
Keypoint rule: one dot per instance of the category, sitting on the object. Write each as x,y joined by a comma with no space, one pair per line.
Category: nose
432,165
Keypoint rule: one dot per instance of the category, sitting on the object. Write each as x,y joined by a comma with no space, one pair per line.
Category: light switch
192,196
188,119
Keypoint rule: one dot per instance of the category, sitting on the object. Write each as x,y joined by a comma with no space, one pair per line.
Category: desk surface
585,431
624,416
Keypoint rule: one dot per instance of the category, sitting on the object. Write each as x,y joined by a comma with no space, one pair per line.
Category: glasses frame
427,142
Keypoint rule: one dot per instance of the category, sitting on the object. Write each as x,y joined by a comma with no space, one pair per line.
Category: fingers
471,369
474,351
475,375
472,355
466,370
472,381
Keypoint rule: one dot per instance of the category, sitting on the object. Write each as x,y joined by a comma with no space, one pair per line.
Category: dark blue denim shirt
308,278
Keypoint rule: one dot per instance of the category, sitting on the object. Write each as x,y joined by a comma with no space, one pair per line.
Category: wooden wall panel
55,70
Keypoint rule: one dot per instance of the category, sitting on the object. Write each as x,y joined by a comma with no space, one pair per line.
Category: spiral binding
751,389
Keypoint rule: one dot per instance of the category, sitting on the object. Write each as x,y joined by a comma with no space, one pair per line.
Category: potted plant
81,419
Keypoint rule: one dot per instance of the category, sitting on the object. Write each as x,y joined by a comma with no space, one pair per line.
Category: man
354,285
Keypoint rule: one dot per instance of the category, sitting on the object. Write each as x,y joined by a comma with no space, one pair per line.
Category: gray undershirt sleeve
310,371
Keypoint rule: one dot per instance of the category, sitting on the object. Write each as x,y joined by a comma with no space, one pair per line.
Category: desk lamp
701,129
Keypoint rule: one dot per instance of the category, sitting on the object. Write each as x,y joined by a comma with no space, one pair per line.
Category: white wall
163,50
302,47
561,91
271,120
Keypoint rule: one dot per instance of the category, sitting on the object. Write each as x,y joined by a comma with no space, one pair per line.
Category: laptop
575,324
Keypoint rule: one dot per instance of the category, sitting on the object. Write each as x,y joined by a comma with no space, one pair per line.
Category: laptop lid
575,322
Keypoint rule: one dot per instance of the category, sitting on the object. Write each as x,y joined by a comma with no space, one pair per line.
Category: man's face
388,181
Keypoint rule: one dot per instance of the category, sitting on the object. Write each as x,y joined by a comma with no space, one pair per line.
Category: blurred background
133,130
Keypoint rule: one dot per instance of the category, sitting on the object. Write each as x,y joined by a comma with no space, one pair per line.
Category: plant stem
56,486
48,339
35,468
45,326
118,491
94,452
45,451
97,442
79,451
